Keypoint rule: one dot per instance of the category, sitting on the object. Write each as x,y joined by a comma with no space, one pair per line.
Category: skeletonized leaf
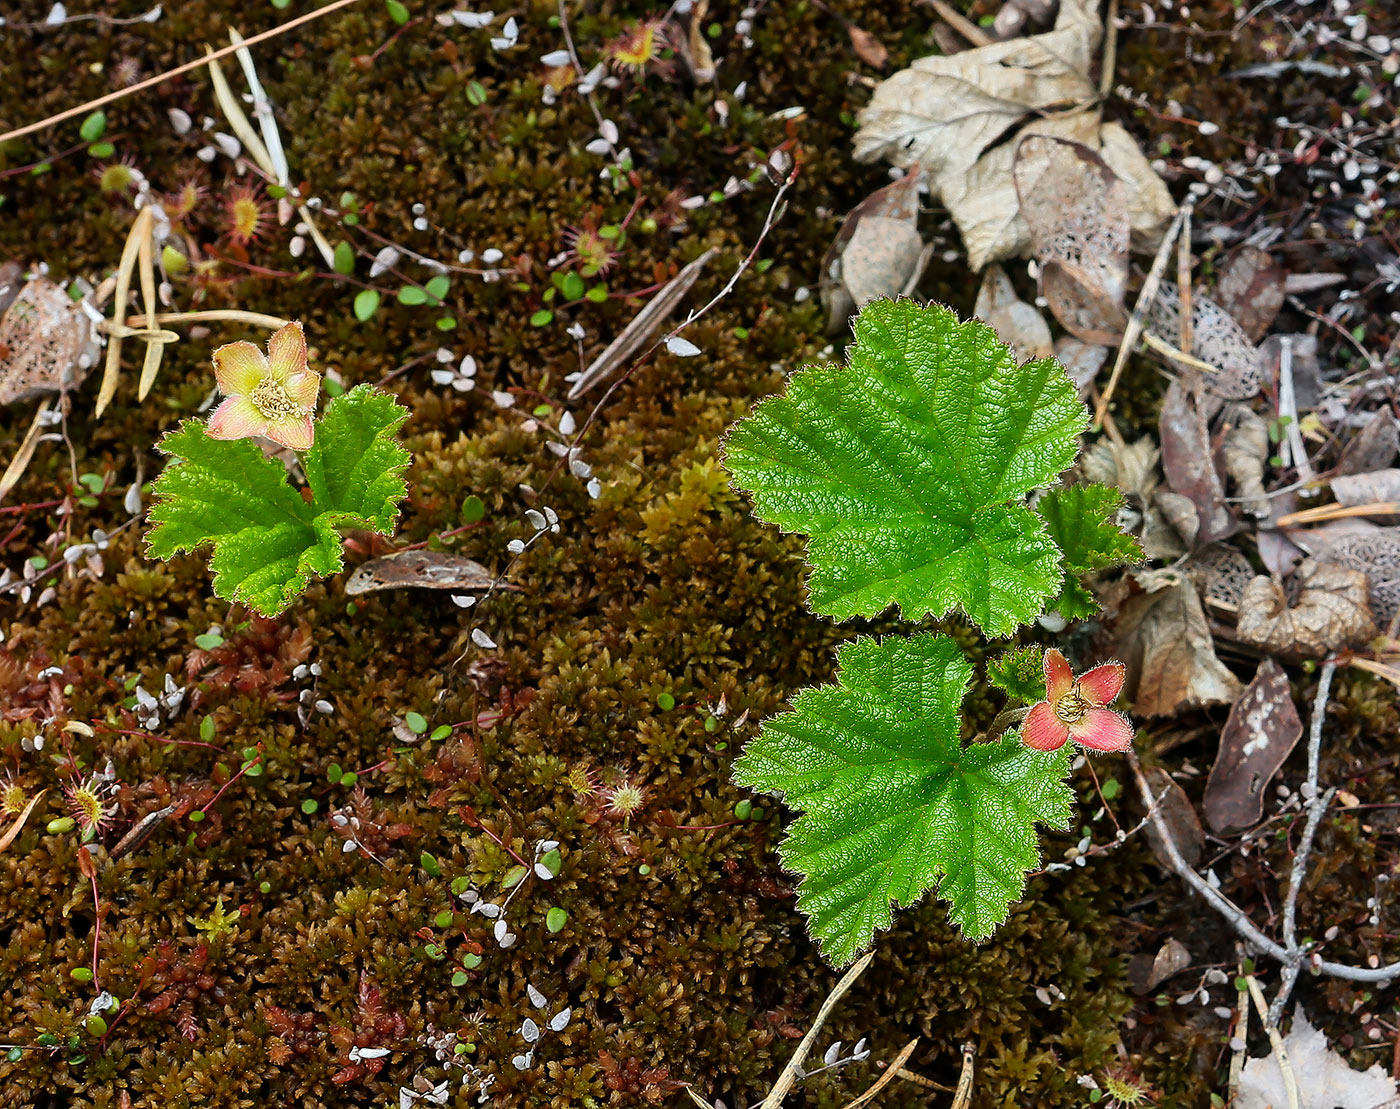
1216,339
1376,553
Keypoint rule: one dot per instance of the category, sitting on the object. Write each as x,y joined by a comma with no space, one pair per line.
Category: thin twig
151,82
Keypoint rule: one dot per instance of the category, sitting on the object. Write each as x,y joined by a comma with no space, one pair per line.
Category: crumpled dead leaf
1076,209
1331,610
1019,325
1147,971
954,115
1245,450
1216,339
1180,817
47,342
1325,1080
1261,731
1189,465
1251,289
1374,447
1164,640
878,251
421,570
868,48
1376,553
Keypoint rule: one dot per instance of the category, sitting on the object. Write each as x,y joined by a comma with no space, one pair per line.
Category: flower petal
286,351
237,418
303,388
239,367
1101,685
1059,678
1103,730
295,433
1043,730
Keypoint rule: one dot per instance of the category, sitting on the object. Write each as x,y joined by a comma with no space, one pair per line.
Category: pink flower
272,396
1074,709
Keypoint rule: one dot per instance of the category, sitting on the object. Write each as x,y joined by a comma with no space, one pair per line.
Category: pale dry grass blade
20,462
111,371
150,365
891,1073
14,829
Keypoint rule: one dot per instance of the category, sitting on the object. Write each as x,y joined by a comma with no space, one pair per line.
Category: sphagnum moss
682,955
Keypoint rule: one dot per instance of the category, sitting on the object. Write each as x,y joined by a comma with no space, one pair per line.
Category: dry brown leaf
1216,339
420,570
1250,289
1133,470
1370,488
1261,731
1180,817
1331,610
1019,325
1245,451
1324,1079
1189,464
1374,447
1081,360
953,115
1164,640
1376,553
879,261
1076,209
868,48
47,342
1147,971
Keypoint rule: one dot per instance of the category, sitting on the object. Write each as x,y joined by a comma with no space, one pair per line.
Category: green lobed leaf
269,543
906,468
355,466
1020,674
893,804
1082,521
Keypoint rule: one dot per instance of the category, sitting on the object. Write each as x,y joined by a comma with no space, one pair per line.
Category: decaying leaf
878,251
1251,290
1221,573
1076,210
1374,446
1189,465
868,48
1019,325
1216,339
1378,486
1261,731
1179,815
1245,450
1081,360
1164,640
421,570
1325,1080
1331,609
1147,971
1376,553
47,342
955,116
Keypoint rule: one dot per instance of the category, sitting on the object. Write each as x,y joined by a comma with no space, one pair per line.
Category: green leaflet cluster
909,469
270,543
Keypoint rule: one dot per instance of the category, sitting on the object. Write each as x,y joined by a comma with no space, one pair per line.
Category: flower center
271,398
1072,707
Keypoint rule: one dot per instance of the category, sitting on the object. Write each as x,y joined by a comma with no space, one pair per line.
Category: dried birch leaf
1332,610
880,258
1147,971
1261,731
1374,447
1019,325
1189,465
1216,339
1376,553
1180,817
953,114
1250,289
1076,209
1325,1080
47,342
897,202
1164,640
420,570
1245,451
